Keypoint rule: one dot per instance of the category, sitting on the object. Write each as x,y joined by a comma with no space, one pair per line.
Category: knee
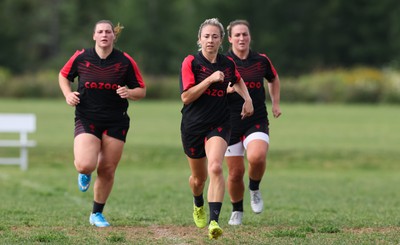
257,159
197,180
106,173
215,168
236,174
83,168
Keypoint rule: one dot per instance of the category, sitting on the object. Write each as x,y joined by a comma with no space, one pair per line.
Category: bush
391,91
162,87
359,85
41,84
44,84
364,85
5,76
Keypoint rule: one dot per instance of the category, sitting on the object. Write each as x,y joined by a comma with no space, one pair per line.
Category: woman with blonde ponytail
107,79
205,127
117,31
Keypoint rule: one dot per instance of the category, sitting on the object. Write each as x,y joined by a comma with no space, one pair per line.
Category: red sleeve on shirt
65,71
138,75
237,74
270,63
187,75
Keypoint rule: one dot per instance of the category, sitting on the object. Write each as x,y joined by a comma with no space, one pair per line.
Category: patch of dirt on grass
174,234
367,230
160,231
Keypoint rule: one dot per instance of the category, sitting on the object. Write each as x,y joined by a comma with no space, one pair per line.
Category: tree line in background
299,36
325,51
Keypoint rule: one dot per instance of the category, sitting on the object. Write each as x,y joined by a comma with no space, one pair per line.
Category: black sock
98,207
254,184
199,200
237,206
215,209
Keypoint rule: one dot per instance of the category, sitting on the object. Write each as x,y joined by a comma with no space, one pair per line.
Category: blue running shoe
84,182
98,220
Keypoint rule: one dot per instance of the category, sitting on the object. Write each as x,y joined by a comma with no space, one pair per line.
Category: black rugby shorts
194,145
240,132
116,130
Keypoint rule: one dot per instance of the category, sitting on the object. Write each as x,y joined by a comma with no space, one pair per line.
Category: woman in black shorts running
251,134
205,126
107,78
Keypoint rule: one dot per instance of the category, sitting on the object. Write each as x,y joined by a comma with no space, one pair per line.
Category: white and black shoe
236,218
257,204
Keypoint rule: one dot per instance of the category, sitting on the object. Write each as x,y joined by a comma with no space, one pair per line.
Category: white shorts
239,148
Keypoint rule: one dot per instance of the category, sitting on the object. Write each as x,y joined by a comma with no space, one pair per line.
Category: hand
276,111
72,98
123,92
247,109
230,89
217,76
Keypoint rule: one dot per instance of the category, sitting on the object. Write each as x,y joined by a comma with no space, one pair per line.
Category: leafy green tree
299,36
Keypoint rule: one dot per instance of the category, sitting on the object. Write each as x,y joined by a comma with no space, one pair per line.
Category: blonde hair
213,22
116,29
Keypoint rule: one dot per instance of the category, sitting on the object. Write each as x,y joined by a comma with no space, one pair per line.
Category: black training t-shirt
211,108
98,80
253,70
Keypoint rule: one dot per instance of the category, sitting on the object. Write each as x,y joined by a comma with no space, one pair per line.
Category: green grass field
332,178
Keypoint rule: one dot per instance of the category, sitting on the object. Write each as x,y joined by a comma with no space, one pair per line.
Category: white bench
22,124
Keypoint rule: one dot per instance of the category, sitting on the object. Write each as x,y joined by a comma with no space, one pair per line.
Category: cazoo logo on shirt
215,92
253,84
101,85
